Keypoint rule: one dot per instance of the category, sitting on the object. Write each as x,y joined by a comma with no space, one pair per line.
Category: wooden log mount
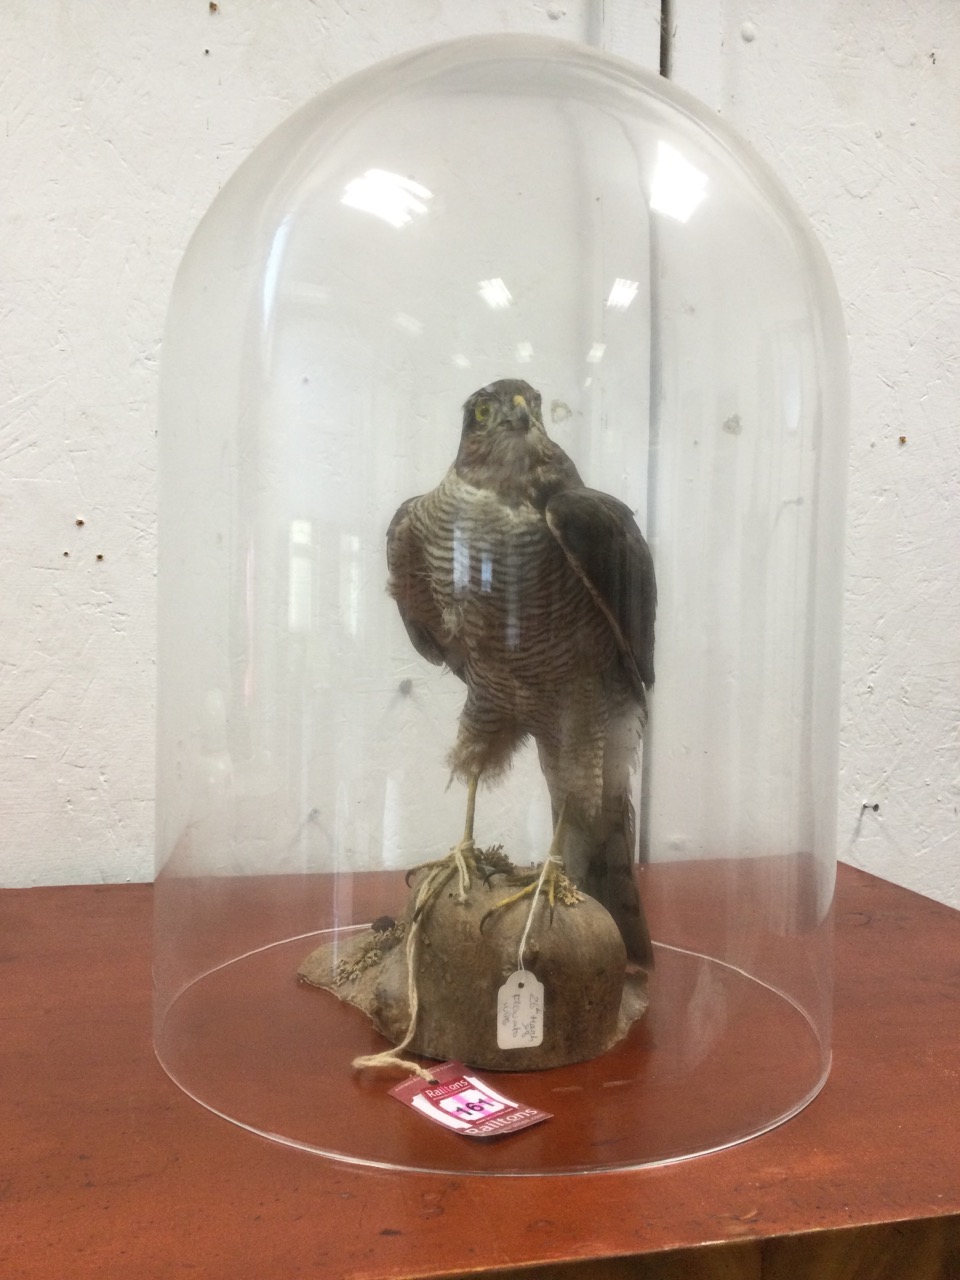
463,947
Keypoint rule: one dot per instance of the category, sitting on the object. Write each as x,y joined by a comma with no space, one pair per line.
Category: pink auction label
461,1101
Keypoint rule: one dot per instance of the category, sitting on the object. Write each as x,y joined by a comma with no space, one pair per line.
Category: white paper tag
520,1012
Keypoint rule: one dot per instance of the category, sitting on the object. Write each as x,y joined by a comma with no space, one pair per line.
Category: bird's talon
507,902
487,872
439,875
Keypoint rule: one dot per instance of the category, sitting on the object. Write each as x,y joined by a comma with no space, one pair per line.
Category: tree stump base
574,949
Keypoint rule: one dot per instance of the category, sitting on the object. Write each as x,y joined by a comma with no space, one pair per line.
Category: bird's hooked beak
520,416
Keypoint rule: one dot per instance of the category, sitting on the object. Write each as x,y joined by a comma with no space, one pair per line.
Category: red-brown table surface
108,1170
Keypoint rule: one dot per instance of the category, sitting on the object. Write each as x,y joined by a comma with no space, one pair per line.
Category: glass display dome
496,208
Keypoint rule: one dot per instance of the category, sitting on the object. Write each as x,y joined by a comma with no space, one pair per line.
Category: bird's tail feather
598,855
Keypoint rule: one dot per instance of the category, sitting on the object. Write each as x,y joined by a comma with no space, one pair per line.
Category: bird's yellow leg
472,784
549,878
460,861
463,853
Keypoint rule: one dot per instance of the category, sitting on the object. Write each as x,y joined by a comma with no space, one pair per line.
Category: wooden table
108,1170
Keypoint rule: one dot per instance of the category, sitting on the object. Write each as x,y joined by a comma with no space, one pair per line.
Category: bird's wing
409,585
606,549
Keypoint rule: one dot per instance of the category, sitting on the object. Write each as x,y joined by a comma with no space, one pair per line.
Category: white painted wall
857,108
122,120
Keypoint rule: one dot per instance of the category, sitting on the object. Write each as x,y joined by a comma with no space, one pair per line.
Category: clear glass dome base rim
362,1162
463,1168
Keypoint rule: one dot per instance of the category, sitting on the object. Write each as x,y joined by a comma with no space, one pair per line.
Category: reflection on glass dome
580,255
387,196
677,187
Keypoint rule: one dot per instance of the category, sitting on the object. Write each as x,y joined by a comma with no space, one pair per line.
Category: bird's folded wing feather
606,549
410,587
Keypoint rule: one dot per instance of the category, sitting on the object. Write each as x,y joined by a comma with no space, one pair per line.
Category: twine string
391,1058
533,906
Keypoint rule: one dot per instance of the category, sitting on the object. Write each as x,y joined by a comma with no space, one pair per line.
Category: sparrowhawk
540,594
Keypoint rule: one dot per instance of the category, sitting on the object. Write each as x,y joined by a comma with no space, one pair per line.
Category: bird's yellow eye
482,411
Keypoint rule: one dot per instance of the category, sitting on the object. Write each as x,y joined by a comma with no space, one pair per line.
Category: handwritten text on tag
520,1012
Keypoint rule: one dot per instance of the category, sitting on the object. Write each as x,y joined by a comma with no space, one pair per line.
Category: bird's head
502,429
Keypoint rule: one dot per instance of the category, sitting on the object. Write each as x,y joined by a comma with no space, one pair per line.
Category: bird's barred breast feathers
504,587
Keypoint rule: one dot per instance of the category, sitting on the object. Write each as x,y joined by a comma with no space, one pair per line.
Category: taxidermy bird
540,594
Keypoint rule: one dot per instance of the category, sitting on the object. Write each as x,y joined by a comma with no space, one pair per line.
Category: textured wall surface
857,109
122,121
